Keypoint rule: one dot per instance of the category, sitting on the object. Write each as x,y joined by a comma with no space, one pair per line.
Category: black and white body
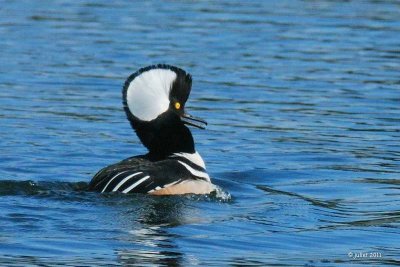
154,101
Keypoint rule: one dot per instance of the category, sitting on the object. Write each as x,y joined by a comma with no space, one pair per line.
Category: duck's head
154,100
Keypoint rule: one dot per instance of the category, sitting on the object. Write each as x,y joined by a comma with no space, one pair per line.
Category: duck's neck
163,139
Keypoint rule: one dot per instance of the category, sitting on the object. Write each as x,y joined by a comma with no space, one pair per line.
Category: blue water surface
302,100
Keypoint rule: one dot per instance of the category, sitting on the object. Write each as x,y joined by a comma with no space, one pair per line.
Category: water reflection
153,243
302,98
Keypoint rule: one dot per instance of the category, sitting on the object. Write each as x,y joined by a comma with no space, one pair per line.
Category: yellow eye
177,105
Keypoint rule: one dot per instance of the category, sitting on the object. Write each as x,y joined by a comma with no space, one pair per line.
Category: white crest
148,94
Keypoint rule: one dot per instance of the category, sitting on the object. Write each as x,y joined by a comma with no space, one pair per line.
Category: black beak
193,121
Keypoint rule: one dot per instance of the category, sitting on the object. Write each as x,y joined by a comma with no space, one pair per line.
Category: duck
154,99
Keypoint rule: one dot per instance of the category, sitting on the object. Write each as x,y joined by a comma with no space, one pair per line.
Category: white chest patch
195,158
148,94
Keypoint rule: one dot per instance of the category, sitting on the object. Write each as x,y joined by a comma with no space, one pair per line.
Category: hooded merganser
154,98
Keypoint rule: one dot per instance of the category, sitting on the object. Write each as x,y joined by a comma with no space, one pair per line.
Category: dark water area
302,100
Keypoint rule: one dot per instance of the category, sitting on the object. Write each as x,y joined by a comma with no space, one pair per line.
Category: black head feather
165,134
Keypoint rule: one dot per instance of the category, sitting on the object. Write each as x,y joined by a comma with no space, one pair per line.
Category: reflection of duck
154,99
149,222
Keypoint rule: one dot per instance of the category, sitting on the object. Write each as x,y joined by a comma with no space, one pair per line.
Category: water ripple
301,98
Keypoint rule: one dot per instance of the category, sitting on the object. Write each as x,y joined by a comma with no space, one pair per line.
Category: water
302,100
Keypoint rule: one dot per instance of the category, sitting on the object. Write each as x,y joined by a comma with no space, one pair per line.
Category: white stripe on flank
165,186
136,184
155,189
104,189
194,157
170,184
124,180
195,172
